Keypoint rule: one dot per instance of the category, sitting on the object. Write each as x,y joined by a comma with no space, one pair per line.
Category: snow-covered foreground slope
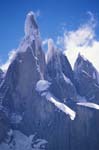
18,141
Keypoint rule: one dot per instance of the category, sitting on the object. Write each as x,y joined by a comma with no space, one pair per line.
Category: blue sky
54,15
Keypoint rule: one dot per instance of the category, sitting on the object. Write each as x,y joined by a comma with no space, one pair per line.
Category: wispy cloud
92,18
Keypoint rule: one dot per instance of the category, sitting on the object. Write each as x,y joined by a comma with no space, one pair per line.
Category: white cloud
11,55
81,41
44,42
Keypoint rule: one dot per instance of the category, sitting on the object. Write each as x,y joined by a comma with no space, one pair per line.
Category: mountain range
44,103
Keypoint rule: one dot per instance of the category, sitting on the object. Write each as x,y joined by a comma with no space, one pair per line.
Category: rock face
86,79
4,126
29,111
60,74
26,69
1,75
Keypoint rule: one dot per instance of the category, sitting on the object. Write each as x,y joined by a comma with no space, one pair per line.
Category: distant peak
31,27
81,58
80,61
51,49
51,45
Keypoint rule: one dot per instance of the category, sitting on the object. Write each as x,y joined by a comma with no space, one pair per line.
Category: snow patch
67,80
83,71
90,105
61,106
42,85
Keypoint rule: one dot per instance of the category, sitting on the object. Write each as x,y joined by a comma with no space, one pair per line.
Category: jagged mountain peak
31,27
86,79
32,38
57,61
27,66
52,50
83,65
79,60
30,42
51,45
59,73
